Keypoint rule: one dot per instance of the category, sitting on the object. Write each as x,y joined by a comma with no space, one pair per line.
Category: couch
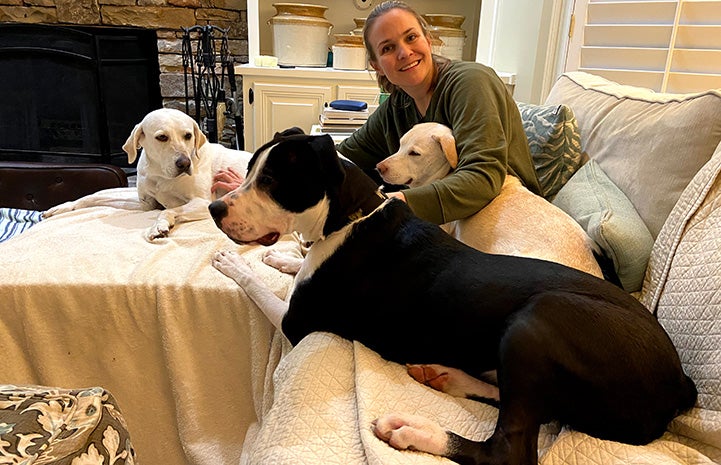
202,377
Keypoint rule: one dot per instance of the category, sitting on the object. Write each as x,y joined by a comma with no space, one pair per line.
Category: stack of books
342,122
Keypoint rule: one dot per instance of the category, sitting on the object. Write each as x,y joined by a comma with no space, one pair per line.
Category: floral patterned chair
45,425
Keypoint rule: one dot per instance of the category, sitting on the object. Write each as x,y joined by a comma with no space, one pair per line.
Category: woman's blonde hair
439,62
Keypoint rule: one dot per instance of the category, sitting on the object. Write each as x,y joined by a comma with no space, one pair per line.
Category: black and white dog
566,346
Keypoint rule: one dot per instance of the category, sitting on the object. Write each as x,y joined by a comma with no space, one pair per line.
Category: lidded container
300,34
349,52
448,29
359,23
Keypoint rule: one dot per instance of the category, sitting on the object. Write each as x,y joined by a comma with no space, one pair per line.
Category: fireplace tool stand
207,63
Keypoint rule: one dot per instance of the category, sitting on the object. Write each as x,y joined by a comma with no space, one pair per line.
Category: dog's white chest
319,253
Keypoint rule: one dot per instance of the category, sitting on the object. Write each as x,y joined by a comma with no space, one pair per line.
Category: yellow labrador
517,222
175,170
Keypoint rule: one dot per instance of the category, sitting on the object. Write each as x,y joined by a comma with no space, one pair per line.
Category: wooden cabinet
277,98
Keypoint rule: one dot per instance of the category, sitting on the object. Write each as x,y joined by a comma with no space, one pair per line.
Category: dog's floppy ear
295,130
133,143
200,138
448,145
325,148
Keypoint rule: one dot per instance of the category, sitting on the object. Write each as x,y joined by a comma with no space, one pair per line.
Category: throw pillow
650,144
610,219
555,144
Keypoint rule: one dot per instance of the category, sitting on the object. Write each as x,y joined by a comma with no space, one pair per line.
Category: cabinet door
368,94
280,106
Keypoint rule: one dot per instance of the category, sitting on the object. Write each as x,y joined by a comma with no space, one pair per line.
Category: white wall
525,37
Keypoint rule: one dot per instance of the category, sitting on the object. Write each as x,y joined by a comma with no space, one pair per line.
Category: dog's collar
371,203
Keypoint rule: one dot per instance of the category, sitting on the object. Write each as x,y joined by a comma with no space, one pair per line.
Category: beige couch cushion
650,144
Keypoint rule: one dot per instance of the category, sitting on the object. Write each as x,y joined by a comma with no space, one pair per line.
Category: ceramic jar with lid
448,29
349,52
300,34
359,23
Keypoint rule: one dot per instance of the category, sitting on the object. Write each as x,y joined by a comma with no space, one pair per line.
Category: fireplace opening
73,94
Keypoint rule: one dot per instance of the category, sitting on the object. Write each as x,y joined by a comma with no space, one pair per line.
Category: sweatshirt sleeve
474,103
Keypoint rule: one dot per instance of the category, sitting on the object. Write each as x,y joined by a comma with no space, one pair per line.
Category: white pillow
649,144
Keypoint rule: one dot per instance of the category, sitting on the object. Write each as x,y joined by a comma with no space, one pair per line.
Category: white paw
231,264
161,228
412,432
282,261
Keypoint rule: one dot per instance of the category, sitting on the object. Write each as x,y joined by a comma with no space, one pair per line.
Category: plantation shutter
665,45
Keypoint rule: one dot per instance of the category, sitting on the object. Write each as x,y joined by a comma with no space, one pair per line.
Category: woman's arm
473,101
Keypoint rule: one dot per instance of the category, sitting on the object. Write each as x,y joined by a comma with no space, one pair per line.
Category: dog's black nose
218,210
182,163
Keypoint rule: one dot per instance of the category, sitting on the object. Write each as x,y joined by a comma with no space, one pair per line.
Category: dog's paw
159,230
412,432
282,261
435,376
58,209
452,381
231,264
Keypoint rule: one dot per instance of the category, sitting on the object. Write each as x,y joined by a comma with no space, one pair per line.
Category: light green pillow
610,219
555,143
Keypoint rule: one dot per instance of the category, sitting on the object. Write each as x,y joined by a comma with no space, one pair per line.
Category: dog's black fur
567,346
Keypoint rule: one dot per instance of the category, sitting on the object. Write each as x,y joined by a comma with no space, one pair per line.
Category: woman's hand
397,195
226,179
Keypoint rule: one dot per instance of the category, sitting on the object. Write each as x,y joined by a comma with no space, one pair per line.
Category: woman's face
403,53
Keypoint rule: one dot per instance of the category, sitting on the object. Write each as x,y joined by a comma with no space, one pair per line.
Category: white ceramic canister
349,52
359,23
448,29
300,34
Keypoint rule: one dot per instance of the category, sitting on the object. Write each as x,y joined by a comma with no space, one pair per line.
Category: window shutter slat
666,45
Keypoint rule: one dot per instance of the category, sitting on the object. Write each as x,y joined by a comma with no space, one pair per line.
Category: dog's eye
413,153
188,136
162,138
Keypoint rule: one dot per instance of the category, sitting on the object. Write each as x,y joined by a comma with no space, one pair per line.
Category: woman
466,96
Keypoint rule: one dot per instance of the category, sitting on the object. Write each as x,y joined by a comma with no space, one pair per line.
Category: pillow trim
599,84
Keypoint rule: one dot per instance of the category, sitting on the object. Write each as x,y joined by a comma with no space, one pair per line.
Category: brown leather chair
39,186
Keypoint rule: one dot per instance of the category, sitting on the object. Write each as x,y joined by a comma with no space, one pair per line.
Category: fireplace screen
73,94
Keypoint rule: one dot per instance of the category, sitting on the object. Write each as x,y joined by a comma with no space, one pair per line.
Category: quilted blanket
324,393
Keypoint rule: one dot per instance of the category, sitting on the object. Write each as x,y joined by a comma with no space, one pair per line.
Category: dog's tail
688,396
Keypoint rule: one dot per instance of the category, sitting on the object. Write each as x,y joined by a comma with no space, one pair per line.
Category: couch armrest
39,185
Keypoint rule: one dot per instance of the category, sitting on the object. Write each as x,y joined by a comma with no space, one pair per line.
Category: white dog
175,170
516,222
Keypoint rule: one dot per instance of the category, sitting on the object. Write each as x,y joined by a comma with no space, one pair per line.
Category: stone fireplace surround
166,17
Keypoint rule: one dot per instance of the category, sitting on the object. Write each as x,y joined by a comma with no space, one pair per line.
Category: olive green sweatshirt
472,100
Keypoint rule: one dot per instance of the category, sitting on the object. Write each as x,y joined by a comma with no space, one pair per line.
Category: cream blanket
326,391
86,301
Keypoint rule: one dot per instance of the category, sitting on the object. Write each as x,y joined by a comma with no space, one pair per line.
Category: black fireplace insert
74,93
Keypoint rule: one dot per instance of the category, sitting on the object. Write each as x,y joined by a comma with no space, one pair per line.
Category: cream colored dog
516,222
175,170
